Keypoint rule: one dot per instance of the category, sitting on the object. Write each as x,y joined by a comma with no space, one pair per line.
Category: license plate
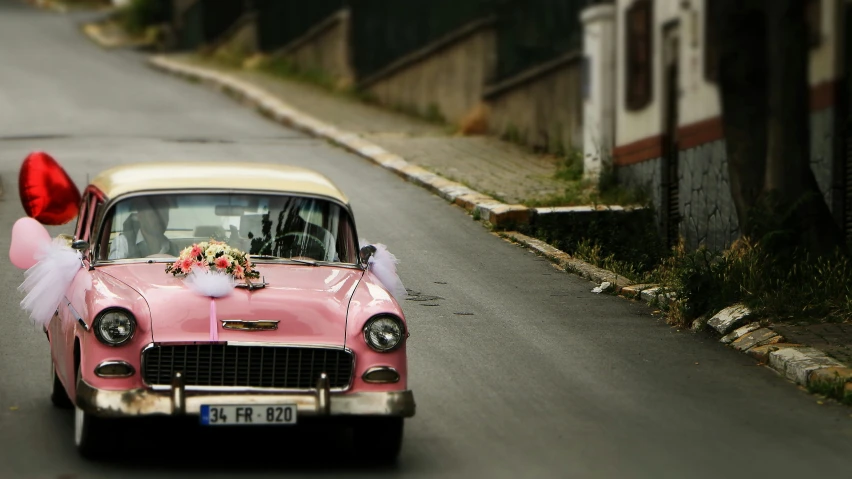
236,415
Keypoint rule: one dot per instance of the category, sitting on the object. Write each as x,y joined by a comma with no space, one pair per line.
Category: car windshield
276,226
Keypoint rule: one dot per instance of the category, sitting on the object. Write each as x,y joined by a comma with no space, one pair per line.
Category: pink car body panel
315,305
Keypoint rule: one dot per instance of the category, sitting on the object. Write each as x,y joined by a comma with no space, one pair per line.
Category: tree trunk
789,177
741,37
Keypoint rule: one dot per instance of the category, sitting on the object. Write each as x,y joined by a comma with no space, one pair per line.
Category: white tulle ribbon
211,284
383,265
46,282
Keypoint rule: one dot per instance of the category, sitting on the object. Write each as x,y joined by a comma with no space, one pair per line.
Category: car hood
309,302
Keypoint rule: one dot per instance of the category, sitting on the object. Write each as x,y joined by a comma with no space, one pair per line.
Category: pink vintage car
309,324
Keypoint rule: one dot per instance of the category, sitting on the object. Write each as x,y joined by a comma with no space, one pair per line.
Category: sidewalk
499,169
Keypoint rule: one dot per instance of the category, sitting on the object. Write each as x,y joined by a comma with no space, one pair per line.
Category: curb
803,365
95,33
486,207
49,5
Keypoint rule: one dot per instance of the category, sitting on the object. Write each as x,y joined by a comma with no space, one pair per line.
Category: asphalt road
518,370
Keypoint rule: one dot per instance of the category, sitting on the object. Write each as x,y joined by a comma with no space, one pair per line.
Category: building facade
653,111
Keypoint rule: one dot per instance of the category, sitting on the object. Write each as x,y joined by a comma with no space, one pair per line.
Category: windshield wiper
279,258
303,261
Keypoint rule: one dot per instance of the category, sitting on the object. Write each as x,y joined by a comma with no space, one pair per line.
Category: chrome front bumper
178,401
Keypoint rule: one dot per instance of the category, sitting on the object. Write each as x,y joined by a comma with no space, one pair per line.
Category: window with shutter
639,54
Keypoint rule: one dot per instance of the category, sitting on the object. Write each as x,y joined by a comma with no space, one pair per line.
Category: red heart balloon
47,192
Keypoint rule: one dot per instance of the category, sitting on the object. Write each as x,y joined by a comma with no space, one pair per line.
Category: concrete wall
445,80
324,49
545,110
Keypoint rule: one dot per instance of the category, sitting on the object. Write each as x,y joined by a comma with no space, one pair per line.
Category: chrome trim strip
76,314
143,402
234,324
112,363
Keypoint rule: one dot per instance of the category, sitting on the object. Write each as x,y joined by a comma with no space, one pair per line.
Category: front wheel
378,440
58,396
90,433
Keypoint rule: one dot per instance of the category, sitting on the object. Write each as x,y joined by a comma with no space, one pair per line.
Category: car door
64,325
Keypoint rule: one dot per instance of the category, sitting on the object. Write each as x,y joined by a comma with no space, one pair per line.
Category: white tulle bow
383,265
47,281
212,284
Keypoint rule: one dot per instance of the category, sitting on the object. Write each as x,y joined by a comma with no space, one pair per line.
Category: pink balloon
28,236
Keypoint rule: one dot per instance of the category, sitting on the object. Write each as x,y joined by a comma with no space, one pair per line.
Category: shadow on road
170,444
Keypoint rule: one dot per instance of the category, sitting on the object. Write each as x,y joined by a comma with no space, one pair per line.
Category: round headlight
384,333
114,326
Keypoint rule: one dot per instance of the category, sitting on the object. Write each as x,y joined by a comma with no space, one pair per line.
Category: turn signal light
114,369
381,375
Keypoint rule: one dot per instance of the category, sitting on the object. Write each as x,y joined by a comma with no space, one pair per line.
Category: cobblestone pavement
509,173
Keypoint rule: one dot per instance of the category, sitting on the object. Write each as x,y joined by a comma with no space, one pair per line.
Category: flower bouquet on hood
213,257
211,269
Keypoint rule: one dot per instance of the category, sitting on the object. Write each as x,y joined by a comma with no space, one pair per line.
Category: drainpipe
598,87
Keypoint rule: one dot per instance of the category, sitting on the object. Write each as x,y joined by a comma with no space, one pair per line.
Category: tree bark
741,34
789,177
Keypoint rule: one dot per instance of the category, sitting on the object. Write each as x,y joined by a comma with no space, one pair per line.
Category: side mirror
366,252
80,245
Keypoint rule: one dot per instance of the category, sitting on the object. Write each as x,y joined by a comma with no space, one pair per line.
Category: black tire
58,395
378,441
91,433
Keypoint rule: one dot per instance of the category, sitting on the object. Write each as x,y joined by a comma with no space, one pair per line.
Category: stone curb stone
729,318
796,364
759,337
491,210
761,353
739,332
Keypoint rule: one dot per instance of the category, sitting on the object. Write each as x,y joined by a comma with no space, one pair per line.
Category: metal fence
281,21
384,31
531,32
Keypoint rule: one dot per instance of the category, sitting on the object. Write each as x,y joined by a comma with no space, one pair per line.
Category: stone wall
706,207
822,150
444,80
707,210
324,49
542,109
647,177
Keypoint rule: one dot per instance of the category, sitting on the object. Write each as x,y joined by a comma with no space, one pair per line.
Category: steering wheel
301,240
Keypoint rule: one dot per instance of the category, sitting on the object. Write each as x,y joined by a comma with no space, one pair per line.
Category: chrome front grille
220,365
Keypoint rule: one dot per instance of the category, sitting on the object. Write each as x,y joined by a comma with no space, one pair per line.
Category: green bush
141,14
621,240
774,283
